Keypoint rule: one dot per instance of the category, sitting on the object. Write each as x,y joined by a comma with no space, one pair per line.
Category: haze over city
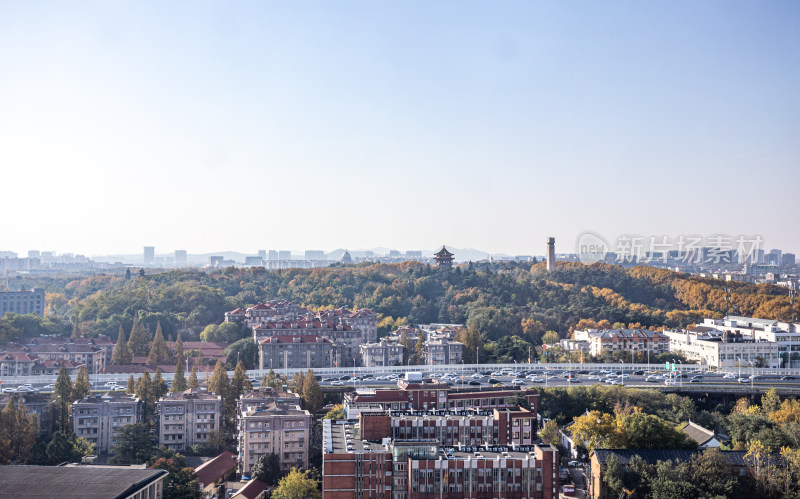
327,125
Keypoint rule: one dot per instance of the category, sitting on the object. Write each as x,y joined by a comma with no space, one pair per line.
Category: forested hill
500,299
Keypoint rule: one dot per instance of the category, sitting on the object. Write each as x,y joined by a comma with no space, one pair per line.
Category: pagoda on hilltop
444,259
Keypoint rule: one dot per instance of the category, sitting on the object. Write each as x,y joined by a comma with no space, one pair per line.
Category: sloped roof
252,490
212,470
651,456
697,433
443,252
75,482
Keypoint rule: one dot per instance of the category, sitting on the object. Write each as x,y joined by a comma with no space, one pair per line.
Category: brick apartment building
187,418
386,468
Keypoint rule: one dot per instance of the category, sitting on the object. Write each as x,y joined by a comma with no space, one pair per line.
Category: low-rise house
705,438
213,474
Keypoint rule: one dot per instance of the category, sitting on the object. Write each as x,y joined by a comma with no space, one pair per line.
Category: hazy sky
212,126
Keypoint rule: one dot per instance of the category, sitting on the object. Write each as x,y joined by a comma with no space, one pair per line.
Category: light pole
621,376
680,373
739,362
752,375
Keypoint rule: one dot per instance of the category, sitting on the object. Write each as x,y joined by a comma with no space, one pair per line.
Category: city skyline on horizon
195,126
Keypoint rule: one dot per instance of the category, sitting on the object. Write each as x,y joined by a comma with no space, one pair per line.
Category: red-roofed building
255,489
345,339
213,474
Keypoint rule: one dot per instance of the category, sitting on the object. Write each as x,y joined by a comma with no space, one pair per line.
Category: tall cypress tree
159,352
146,392
139,340
122,354
160,386
241,382
179,381
193,382
62,397
76,327
179,348
219,383
18,432
130,389
82,386
312,393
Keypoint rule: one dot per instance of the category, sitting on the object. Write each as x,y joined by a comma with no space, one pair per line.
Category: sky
211,126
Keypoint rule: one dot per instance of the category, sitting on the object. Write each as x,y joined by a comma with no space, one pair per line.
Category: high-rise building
788,259
315,255
34,254
551,253
274,427
272,255
284,255
262,254
180,257
149,255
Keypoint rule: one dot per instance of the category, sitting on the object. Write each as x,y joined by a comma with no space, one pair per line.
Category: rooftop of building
189,395
212,470
698,433
302,324
626,333
77,482
300,338
340,437
107,397
270,409
251,490
260,392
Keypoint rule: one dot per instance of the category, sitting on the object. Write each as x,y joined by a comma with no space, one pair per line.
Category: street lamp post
680,374
752,375
621,376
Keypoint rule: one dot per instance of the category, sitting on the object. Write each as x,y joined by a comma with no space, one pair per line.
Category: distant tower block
444,259
551,253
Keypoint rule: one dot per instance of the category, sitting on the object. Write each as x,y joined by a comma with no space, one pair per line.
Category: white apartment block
383,353
98,418
739,341
188,418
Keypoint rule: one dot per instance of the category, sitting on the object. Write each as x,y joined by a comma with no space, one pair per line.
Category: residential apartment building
628,340
188,418
434,396
355,466
363,320
264,395
443,351
385,352
22,302
345,339
98,418
293,352
36,356
274,428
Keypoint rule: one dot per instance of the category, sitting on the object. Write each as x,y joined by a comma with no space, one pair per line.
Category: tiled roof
212,470
304,338
697,433
78,482
651,456
252,490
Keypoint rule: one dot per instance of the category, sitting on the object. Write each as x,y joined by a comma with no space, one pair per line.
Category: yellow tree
597,430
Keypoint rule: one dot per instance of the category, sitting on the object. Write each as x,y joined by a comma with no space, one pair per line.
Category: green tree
62,397
181,482
241,383
82,386
227,332
219,383
267,469
549,433
312,393
550,338
122,354
297,485
296,385
130,389
159,385
18,432
245,350
646,431
274,381
419,350
159,352
264,382
179,381
139,339
146,392
614,476
194,383
336,413
179,348
770,401
135,444
64,449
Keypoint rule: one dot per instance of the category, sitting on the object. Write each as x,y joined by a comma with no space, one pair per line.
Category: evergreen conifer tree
159,352
122,354
179,381
194,383
82,386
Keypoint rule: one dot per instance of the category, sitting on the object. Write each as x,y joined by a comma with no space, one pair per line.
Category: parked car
337,383
493,381
475,382
518,382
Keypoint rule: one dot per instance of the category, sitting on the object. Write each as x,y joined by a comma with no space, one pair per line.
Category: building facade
443,351
306,351
274,428
22,302
188,418
628,340
382,353
98,418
